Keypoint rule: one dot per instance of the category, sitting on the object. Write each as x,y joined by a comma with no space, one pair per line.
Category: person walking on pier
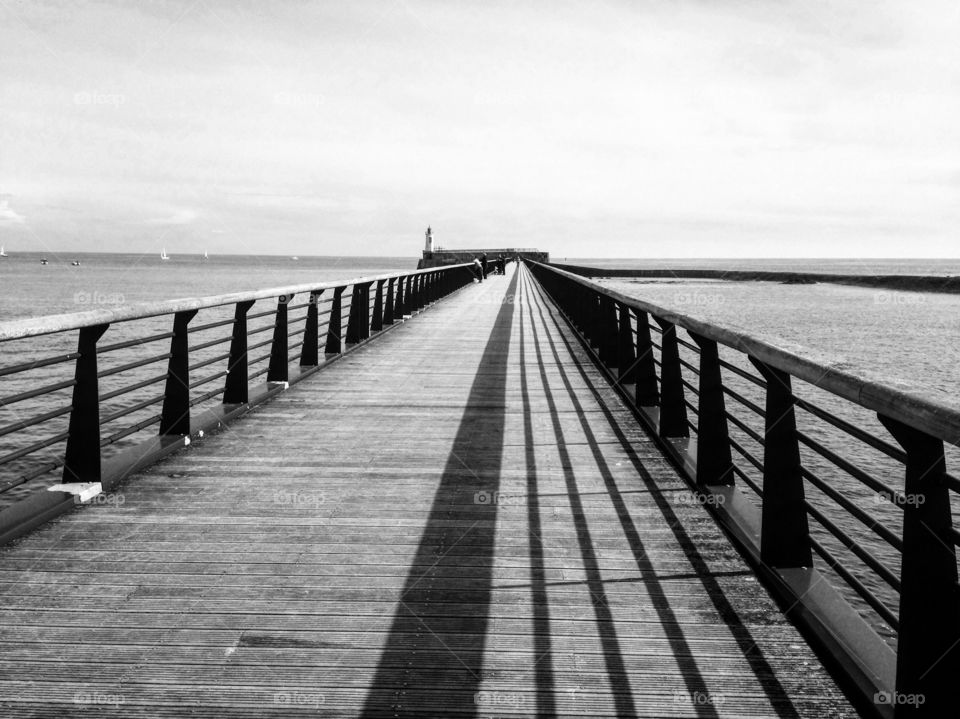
478,268
483,264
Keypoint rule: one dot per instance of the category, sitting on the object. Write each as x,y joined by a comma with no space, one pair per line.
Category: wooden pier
462,518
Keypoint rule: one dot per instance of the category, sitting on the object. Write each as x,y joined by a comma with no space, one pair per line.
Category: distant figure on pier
483,264
501,265
478,268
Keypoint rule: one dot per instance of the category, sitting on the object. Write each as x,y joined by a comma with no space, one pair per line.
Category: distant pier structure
434,256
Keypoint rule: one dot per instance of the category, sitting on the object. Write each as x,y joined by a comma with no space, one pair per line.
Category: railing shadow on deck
775,520
694,678
437,573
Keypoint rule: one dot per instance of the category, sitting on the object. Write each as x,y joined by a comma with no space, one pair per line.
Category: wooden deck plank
330,554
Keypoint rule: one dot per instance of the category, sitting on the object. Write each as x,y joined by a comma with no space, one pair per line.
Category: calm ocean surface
901,336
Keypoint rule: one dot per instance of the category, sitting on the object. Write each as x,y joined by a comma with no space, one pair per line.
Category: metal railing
78,390
793,502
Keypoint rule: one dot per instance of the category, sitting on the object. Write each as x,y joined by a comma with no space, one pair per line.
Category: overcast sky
592,129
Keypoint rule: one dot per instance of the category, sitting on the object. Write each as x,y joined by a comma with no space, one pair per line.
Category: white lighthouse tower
428,246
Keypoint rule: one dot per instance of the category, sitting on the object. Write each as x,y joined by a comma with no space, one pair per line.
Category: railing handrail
49,324
905,402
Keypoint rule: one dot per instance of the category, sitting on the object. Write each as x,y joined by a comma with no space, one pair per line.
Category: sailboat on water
205,255
3,251
164,255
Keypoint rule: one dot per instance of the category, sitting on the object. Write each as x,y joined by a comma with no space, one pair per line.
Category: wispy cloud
7,214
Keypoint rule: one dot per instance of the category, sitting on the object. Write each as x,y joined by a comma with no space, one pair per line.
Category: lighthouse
428,245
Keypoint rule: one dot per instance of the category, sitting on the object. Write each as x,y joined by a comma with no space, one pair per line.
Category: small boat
294,258
44,261
205,255
164,255
75,263
3,251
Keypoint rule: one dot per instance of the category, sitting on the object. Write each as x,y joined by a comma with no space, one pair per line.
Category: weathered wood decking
339,553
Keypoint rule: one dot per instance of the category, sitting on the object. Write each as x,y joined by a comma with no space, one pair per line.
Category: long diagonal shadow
453,564
761,668
543,658
612,654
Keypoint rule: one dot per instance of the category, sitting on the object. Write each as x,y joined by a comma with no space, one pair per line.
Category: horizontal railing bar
256,374
933,413
37,472
859,587
690,367
865,517
211,360
30,448
133,387
209,378
743,373
749,482
848,467
112,417
690,387
755,408
258,345
133,343
745,453
688,345
259,359
32,421
46,389
211,343
878,444
879,568
255,315
36,326
207,395
34,364
692,407
210,325
258,330
132,429
132,365
750,431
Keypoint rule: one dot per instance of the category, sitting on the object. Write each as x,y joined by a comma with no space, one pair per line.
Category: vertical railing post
928,643
418,293
784,529
376,322
277,369
714,463
310,350
673,409
626,348
175,415
400,308
235,388
647,394
334,344
608,330
82,459
358,321
388,305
